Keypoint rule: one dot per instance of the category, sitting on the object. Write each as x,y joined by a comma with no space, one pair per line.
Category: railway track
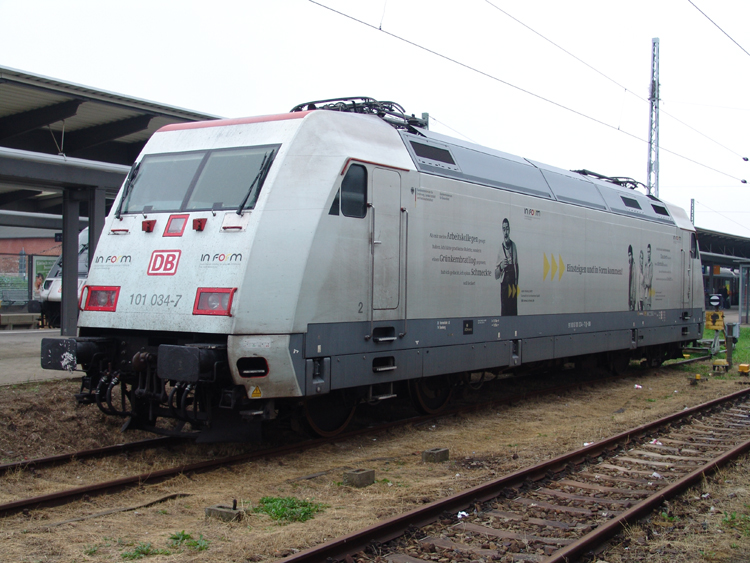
86,454
164,441
561,509
73,494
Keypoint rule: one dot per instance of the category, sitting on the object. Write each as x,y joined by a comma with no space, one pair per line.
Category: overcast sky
510,90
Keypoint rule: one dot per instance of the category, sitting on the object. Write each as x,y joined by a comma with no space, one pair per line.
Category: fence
21,278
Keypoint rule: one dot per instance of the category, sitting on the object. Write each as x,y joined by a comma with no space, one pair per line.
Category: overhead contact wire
722,215
433,118
515,19
599,72
719,27
530,93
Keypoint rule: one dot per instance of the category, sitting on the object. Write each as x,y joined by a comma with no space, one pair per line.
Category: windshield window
214,179
56,270
83,264
83,261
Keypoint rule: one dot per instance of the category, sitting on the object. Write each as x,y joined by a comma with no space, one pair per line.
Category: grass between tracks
482,445
740,355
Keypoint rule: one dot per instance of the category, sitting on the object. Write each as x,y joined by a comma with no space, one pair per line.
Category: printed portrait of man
648,279
506,271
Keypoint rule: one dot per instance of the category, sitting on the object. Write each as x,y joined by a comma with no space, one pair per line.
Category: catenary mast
652,182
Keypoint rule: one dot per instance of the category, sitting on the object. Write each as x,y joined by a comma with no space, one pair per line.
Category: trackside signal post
715,321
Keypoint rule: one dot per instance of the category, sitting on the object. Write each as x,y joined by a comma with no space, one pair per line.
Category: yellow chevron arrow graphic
546,267
562,267
554,268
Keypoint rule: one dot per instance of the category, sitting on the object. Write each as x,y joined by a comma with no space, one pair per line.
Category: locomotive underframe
434,347
149,378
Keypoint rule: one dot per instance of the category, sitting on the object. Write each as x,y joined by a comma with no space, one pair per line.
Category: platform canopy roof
722,248
56,135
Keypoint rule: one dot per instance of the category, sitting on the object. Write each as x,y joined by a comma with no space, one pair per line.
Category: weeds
142,550
289,509
183,539
178,540
740,523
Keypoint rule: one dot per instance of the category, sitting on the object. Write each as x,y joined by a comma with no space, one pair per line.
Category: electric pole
652,183
692,211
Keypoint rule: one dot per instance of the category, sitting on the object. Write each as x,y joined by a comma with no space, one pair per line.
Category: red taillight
214,301
101,298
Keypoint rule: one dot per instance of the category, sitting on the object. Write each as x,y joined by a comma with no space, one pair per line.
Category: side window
354,192
335,205
693,246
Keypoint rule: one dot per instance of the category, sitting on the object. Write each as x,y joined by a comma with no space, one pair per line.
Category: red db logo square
163,262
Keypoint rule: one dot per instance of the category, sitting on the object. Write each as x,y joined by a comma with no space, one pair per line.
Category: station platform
20,357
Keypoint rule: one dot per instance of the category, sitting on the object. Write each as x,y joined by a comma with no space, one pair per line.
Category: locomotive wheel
430,395
619,362
656,356
474,381
330,414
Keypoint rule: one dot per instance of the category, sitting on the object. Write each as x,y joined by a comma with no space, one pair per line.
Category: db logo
163,262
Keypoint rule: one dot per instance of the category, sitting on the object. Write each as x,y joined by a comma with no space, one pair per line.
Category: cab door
386,239
688,258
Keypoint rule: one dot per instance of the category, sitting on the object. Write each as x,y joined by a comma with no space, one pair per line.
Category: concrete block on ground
435,455
225,513
359,477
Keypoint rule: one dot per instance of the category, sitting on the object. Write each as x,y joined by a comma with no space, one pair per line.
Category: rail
618,504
